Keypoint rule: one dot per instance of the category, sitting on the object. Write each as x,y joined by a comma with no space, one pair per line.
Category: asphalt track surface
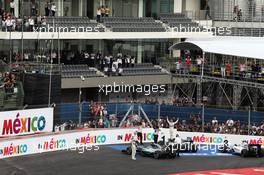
112,162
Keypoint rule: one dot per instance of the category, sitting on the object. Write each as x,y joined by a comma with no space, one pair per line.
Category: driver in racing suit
171,127
134,146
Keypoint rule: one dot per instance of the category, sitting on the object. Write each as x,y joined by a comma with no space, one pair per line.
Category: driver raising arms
171,127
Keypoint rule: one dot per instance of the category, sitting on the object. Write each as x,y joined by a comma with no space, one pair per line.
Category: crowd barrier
69,141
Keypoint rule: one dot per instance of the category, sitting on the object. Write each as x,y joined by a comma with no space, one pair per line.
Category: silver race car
169,149
248,150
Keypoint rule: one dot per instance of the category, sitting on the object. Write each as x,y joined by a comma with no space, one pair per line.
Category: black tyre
129,151
244,153
172,156
156,155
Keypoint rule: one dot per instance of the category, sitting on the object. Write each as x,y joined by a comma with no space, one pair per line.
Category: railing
224,16
241,25
37,67
215,71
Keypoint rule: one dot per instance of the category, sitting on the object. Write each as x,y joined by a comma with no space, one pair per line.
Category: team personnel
156,133
178,142
134,146
171,127
139,132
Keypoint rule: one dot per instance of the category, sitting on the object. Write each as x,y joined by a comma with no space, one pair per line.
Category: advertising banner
86,139
24,122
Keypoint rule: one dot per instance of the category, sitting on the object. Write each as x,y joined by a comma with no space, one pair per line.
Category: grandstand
128,42
77,73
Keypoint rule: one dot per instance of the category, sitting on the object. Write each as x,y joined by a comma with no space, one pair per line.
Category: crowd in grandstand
113,64
109,64
26,23
227,69
194,124
9,81
102,119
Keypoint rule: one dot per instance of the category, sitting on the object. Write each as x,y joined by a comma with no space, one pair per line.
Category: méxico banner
24,122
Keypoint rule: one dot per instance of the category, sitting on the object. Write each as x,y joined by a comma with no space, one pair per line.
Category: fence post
116,109
249,118
203,117
158,111
80,112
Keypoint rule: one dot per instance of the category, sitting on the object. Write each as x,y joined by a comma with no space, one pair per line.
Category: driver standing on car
178,142
171,127
134,146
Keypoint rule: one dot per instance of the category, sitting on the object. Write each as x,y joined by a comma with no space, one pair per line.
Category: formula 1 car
244,150
157,151
153,150
163,150
247,150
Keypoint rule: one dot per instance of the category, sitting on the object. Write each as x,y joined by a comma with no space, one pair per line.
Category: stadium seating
178,20
255,32
76,71
78,22
131,24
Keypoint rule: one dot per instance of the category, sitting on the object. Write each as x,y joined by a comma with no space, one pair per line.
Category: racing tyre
129,151
244,153
172,156
156,155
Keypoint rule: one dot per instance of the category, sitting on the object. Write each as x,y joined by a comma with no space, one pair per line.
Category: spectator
242,70
107,11
178,66
214,122
207,12
228,69
9,24
33,8
223,70
229,123
103,11
239,14
199,62
98,15
47,9
53,9
188,64
31,22
12,7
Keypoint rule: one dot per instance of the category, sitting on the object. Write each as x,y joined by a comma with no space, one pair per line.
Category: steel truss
222,92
